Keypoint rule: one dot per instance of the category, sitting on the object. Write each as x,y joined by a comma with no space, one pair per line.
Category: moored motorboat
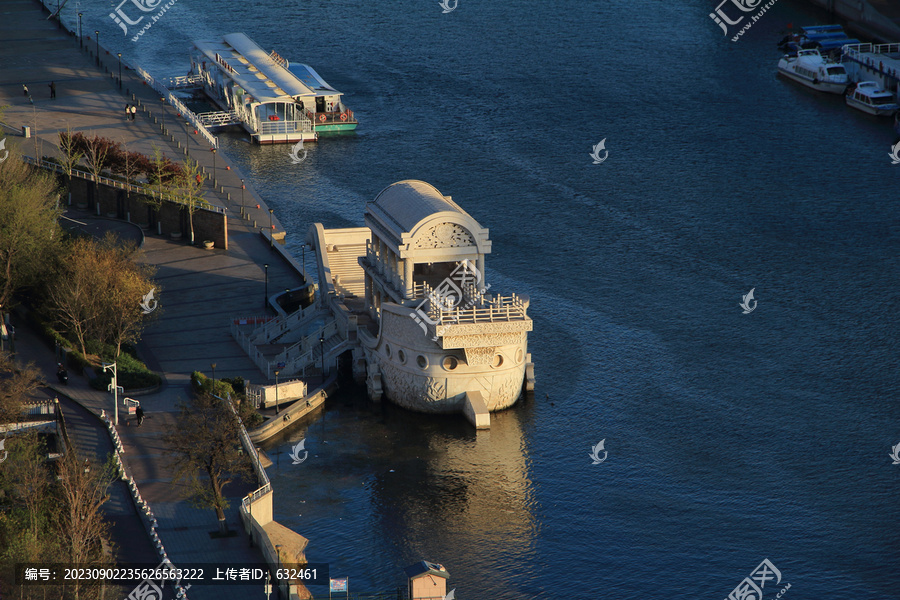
813,70
871,98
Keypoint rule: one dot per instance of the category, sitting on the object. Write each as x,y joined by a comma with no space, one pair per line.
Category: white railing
255,355
170,97
854,50
302,353
219,118
281,325
277,127
182,81
497,309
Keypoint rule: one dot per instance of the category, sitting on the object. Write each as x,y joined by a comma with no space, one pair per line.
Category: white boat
869,97
277,102
813,70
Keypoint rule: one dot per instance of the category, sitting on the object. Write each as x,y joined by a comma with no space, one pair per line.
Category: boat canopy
310,78
254,70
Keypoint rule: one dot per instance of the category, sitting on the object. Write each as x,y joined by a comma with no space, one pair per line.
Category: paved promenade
200,290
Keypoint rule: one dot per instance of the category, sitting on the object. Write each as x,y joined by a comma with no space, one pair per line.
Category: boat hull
821,86
878,111
330,127
421,376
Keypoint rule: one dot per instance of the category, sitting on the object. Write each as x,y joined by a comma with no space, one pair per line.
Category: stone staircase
348,276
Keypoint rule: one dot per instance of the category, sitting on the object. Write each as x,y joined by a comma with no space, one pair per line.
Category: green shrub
203,384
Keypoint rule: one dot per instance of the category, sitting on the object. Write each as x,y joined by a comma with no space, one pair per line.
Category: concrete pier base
476,410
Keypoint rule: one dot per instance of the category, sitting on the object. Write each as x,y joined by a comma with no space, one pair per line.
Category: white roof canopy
254,69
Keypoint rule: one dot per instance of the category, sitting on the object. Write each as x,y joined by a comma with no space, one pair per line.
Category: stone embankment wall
133,207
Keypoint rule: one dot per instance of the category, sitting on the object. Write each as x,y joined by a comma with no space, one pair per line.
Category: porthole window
422,362
519,356
498,360
401,356
450,362
387,350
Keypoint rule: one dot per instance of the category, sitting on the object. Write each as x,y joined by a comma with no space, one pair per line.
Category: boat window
880,100
839,70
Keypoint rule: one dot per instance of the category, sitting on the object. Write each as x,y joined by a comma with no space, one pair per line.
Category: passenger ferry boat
869,97
274,100
812,70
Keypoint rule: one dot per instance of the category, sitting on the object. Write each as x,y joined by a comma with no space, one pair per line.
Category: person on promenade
25,89
139,413
133,111
52,90
127,111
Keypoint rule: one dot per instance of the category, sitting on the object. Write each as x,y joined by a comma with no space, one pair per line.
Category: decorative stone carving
445,235
494,339
456,329
479,356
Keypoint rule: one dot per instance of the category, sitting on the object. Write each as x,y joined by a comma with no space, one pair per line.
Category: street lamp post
97,40
322,346
266,297
215,181
80,39
213,365
115,384
242,197
119,54
162,102
276,391
303,263
271,229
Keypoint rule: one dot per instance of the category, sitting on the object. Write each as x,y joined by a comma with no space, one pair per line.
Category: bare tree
191,188
71,155
98,154
207,442
83,489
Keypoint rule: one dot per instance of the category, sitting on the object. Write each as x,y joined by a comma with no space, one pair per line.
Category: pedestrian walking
25,89
127,111
52,90
139,413
133,111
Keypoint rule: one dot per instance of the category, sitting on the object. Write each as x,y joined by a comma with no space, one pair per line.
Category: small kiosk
427,581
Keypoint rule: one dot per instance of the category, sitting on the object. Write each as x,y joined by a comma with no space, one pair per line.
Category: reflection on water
409,487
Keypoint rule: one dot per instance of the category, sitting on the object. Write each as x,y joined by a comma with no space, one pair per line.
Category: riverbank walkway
200,290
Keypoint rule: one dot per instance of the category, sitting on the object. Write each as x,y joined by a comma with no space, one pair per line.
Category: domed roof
408,202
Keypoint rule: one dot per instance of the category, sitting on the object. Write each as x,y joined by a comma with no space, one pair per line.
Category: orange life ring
343,116
322,118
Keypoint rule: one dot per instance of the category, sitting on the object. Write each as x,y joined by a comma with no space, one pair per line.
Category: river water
731,437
